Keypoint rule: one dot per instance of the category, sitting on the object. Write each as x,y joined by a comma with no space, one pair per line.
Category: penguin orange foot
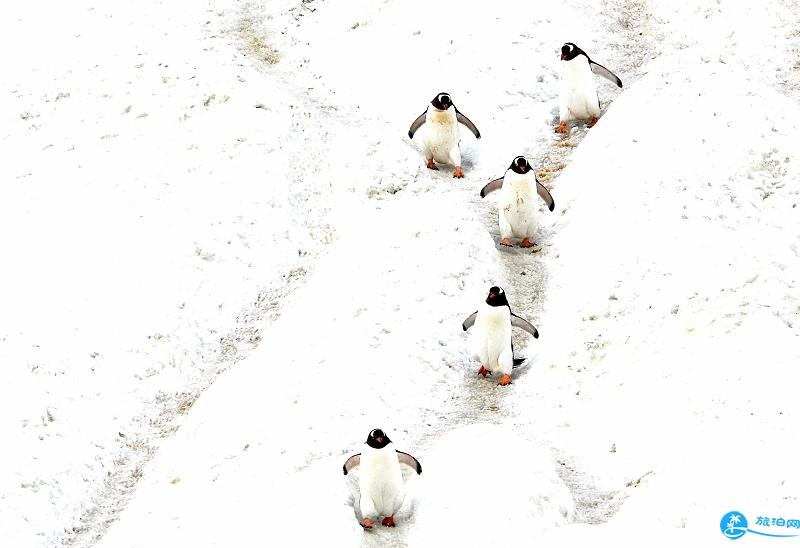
505,380
483,371
388,521
592,122
561,127
458,174
431,165
506,242
367,523
526,243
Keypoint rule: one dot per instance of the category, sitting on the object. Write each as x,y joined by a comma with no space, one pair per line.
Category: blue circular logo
733,525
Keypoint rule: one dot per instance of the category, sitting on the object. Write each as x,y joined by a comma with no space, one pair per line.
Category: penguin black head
497,297
520,165
442,101
377,439
570,51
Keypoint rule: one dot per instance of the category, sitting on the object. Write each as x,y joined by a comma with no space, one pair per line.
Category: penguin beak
563,57
492,295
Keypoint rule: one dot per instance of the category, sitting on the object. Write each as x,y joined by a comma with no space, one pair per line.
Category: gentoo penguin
517,205
492,336
579,99
441,139
380,481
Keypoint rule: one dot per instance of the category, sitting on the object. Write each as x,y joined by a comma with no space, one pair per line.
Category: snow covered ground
134,269
189,189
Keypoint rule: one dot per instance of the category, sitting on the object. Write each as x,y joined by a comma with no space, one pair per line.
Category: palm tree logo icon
733,525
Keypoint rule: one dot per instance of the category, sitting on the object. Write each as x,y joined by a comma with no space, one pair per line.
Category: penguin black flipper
416,124
523,324
544,194
497,184
600,70
470,321
467,122
351,463
409,461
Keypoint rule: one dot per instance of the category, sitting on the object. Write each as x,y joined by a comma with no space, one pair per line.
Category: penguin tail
519,361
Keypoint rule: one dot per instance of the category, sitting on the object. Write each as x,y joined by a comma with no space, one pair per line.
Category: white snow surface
221,201
486,486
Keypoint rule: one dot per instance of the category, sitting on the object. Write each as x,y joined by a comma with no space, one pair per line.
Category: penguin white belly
441,139
517,205
380,482
493,338
578,91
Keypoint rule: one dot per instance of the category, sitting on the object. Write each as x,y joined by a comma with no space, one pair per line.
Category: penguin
380,481
492,336
517,205
441,140
579,100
